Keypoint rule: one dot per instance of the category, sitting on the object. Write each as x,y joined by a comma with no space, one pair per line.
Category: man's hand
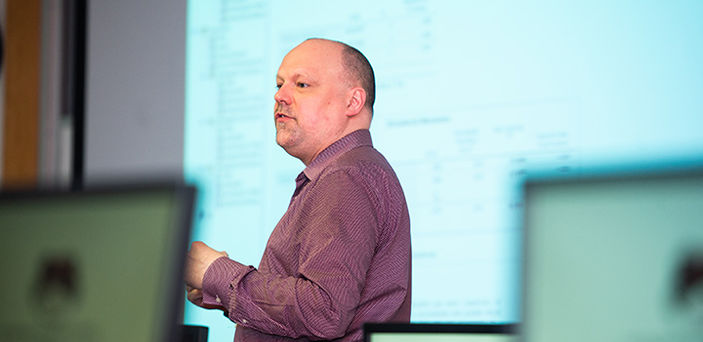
199,258
195,296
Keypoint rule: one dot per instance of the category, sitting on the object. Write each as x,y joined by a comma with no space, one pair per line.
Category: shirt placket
300,181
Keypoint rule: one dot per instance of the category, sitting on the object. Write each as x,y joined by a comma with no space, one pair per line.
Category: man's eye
278,86
302,85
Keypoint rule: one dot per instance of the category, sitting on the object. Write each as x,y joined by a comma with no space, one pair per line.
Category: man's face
310,101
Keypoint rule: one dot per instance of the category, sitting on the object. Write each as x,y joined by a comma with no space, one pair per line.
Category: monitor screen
614,258
100,265
397,332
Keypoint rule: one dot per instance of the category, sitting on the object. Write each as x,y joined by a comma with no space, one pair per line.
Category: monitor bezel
599,175
439,328
185,199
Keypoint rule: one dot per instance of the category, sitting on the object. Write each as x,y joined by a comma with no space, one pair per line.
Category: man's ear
357,100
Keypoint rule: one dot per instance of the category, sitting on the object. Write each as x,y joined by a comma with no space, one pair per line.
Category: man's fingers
199,258
195,296
195,293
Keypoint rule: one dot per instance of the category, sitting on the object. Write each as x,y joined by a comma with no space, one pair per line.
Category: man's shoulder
363,166
363,159
362,155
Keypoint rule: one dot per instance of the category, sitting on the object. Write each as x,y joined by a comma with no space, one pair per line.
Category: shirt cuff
218,281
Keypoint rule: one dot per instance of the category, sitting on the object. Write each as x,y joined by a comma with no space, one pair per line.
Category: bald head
358,70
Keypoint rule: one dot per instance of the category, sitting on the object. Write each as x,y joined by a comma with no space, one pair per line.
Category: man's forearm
277,305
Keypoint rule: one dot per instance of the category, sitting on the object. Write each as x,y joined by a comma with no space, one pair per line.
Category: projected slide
470,95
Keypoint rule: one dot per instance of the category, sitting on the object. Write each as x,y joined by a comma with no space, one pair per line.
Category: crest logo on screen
56,287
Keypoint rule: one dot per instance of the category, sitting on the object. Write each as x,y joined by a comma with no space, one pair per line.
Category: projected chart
469,97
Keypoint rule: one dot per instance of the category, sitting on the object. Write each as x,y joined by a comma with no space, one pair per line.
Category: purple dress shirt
339,256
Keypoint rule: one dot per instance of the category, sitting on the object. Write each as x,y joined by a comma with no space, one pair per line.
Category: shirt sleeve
338,239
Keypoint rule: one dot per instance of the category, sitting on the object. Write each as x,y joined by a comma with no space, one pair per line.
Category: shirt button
245,321
217,299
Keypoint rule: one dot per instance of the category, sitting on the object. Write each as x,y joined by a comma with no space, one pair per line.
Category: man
340,255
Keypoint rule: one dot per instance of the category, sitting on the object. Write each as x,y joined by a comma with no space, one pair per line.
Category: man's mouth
282,116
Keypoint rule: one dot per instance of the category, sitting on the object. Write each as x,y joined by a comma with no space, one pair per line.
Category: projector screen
470,95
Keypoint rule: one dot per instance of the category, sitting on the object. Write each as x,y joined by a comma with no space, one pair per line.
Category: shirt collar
349,142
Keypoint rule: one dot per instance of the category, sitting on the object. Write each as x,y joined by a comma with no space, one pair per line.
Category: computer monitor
419,332
95,265
614,258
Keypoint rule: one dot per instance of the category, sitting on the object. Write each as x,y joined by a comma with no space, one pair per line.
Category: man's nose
282,95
